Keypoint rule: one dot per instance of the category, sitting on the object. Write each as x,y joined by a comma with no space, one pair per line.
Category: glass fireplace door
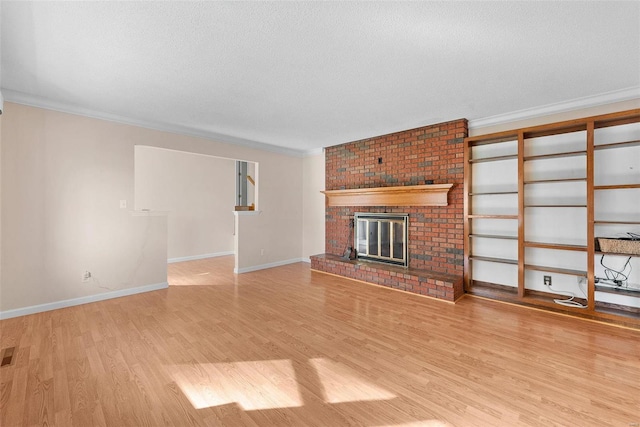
382,237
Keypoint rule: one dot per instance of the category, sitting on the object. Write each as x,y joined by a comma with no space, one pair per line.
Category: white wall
313,205
197,191
62,179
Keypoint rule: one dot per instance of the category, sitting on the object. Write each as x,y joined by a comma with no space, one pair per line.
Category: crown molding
48,104
313,152
545,110
559,107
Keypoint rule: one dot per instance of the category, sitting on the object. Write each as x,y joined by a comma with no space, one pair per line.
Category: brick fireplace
427,155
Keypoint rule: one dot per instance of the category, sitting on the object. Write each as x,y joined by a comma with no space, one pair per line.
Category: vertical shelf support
467,275
591,301
521,237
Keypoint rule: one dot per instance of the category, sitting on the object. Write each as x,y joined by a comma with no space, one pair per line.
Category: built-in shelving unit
537,198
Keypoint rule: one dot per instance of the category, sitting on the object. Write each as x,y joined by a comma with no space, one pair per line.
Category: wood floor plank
289,346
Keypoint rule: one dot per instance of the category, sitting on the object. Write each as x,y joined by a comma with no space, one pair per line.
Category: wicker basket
621,245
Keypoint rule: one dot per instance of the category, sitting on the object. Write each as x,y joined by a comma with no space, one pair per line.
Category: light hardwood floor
288,346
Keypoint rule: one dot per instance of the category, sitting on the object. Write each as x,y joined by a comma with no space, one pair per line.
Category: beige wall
197,191
259,249
62,179
313,207
0,206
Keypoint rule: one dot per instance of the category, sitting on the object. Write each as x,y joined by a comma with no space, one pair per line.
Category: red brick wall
430,154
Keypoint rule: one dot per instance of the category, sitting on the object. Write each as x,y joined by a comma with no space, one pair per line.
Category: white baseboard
195,257
265,266
307,260
8,314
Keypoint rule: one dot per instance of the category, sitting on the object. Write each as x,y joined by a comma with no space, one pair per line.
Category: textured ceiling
303,75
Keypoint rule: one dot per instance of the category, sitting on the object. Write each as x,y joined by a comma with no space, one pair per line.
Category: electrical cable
570,302
581,289
617,277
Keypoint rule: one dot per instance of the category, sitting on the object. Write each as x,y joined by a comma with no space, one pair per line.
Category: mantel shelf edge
410,195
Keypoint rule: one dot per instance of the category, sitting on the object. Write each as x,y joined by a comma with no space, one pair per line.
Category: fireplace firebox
382,237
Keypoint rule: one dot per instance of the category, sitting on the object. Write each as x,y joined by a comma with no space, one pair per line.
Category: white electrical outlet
86,276
261,251
123,204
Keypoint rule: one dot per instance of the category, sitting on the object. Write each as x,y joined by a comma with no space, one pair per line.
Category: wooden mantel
411,195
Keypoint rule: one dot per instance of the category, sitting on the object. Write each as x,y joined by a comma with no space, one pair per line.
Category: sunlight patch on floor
254,385
342,384
271,384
